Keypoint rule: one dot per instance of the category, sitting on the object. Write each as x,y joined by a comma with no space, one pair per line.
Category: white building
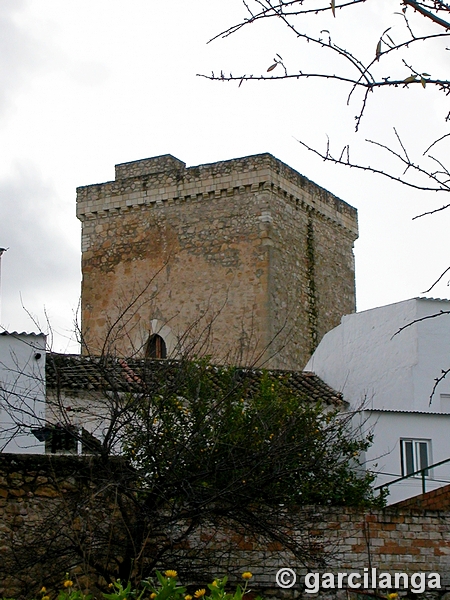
22,391
393,374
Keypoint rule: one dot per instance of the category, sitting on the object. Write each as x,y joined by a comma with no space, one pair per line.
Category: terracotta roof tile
83,373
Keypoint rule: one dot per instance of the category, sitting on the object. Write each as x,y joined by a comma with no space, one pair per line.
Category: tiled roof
406,410
82,373
18,333
432,299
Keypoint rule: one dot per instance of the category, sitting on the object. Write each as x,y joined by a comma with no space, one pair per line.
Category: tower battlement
167,179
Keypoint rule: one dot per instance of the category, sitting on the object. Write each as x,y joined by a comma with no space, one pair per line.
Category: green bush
163,587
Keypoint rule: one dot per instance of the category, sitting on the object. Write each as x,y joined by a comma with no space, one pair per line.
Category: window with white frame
415,455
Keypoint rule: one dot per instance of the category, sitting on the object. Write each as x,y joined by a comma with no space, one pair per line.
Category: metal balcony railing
423,473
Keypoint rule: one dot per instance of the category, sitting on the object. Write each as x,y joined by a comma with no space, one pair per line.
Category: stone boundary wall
38,493
405,540
165,179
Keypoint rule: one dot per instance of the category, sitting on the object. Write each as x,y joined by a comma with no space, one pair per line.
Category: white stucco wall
384,455
362,359
22,391
433,340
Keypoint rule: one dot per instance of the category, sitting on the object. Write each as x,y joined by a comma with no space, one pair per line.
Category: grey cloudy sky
88,84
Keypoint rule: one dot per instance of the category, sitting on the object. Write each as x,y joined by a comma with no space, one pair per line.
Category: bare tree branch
420,8
367,74
437,281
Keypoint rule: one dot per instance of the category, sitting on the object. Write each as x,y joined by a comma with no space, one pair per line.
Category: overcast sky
87,84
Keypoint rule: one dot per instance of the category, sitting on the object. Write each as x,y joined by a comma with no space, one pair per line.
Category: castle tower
245,260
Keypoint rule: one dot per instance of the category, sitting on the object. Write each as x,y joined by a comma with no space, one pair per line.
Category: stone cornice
165,180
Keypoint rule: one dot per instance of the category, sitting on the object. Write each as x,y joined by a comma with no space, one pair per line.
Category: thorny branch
365,75
439,183
361,74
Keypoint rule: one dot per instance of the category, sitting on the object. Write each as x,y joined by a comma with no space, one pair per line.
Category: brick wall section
394,539
390,540
249,242
438,499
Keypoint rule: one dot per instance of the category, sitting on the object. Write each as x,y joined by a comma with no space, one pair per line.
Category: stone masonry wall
33,487
48,505
242,252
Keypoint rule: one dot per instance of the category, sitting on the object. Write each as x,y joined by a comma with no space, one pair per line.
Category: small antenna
2,251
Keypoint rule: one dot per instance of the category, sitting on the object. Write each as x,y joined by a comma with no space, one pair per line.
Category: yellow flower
43,590
68,583
152,595
45,597
171,573
247,575
392,596
214,583
188,597
200,593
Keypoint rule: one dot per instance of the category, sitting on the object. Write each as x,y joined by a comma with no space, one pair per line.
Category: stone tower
244,260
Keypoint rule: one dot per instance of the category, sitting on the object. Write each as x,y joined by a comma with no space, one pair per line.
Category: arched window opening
156,347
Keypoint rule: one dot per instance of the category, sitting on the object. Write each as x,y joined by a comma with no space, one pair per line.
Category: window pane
423,455
409,458
62,441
